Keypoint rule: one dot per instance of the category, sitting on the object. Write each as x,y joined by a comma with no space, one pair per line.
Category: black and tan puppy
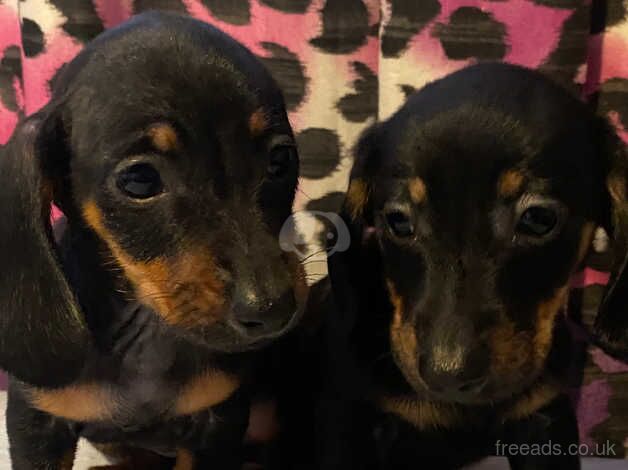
469,209
167,146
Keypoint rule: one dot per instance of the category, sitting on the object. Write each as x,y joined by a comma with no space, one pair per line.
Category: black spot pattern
571,52
233,11
472,33
289,6
613,96
176,6
606,14
10,68
559,3
319,150
407,90
408,17
362,104
32,38
287,71
82,22
329,203
345,26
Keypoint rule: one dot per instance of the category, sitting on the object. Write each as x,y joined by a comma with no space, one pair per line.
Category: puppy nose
460,373
257,319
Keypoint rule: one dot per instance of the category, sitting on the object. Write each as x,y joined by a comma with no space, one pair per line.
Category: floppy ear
611,323
356,268
43,336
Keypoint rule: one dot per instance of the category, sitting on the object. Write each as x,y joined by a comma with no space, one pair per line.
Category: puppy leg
215,438
37,440
548,439
131,458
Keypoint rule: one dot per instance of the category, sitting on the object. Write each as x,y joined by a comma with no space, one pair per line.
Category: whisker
312,254
315,261
304,193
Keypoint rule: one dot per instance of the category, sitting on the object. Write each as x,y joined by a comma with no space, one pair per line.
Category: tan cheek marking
510,183
533,400
421,414
617,188
163,137
545,319
185,460
86,402
403,338
357,197
200,297
417,189
510,349
185,291
204,391
258,122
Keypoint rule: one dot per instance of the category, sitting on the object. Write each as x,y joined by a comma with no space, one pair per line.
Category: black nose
256,318
455,372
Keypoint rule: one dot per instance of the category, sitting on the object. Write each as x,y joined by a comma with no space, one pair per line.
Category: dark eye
399,223
537,221
280,161
140,181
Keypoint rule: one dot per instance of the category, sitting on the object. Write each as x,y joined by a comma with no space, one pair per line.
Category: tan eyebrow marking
357,197
510,183
258,122
418,190
163,137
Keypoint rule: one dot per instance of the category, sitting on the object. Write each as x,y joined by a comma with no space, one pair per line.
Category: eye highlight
140,181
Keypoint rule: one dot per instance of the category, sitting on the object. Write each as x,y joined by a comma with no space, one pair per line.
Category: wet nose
455,371
255,318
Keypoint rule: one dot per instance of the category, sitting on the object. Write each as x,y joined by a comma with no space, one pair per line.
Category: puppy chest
137,403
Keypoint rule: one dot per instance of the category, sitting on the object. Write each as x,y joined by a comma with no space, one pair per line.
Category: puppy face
169,143
184,164
484,190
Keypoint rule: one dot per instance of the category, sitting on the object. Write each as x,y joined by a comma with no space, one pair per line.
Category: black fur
73,312
466,272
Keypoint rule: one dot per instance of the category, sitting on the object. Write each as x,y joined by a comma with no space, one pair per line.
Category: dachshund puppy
469,209
167,146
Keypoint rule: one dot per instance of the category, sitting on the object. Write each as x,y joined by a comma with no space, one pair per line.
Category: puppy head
484,190
170,143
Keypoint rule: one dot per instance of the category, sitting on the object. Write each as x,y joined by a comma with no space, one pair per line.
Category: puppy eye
399,224
537,221
140,181
281,158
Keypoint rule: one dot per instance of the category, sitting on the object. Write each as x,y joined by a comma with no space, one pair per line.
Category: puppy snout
455,372
256,318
